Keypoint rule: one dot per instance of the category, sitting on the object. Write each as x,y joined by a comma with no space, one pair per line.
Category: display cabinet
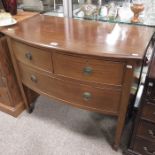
117,11
112,11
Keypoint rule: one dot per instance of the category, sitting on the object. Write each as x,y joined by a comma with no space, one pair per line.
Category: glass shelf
73,8
116,21
123,12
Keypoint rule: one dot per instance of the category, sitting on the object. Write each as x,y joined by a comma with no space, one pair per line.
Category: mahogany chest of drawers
86,64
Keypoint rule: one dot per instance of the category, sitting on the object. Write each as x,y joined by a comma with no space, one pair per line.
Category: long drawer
148,112
33,56
144,147
87,69
146,130
104,100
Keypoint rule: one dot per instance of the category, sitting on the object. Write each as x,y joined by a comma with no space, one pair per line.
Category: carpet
58,129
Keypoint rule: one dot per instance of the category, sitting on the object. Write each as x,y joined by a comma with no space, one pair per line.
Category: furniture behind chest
83,63
143,138
10,97
11,100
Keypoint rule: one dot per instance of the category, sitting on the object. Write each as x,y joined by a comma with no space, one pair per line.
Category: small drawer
146,130
144,147
148,112
150,93
93,70
102,100
32,56
4,97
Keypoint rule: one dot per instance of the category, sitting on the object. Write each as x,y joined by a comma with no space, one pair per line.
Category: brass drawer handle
87,70
148,152
87,96
34,79
151,133
28,56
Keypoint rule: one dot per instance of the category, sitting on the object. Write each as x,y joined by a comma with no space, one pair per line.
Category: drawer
102,100
4,97
148,112
99,71
150,93
32,56
144,147
146,130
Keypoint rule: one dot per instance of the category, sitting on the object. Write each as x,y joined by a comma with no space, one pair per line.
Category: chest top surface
83,37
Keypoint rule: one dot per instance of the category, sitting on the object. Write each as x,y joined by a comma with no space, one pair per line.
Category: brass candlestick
136,8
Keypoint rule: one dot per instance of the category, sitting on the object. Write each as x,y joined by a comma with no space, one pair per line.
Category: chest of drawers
143,138
74,62
83,81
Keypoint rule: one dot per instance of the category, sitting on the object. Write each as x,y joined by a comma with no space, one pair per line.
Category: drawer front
148,111
150,93
99,71
32,56
80,95
4,97
144,147
146,130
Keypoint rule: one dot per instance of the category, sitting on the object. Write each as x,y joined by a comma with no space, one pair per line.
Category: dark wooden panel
143,136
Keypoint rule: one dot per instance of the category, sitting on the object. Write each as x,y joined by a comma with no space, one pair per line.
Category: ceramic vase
10,6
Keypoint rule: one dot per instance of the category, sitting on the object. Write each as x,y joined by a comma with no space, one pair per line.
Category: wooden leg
31,108
118,133
31,98
128,79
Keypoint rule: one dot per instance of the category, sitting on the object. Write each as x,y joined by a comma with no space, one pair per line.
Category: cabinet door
8,78
150,93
